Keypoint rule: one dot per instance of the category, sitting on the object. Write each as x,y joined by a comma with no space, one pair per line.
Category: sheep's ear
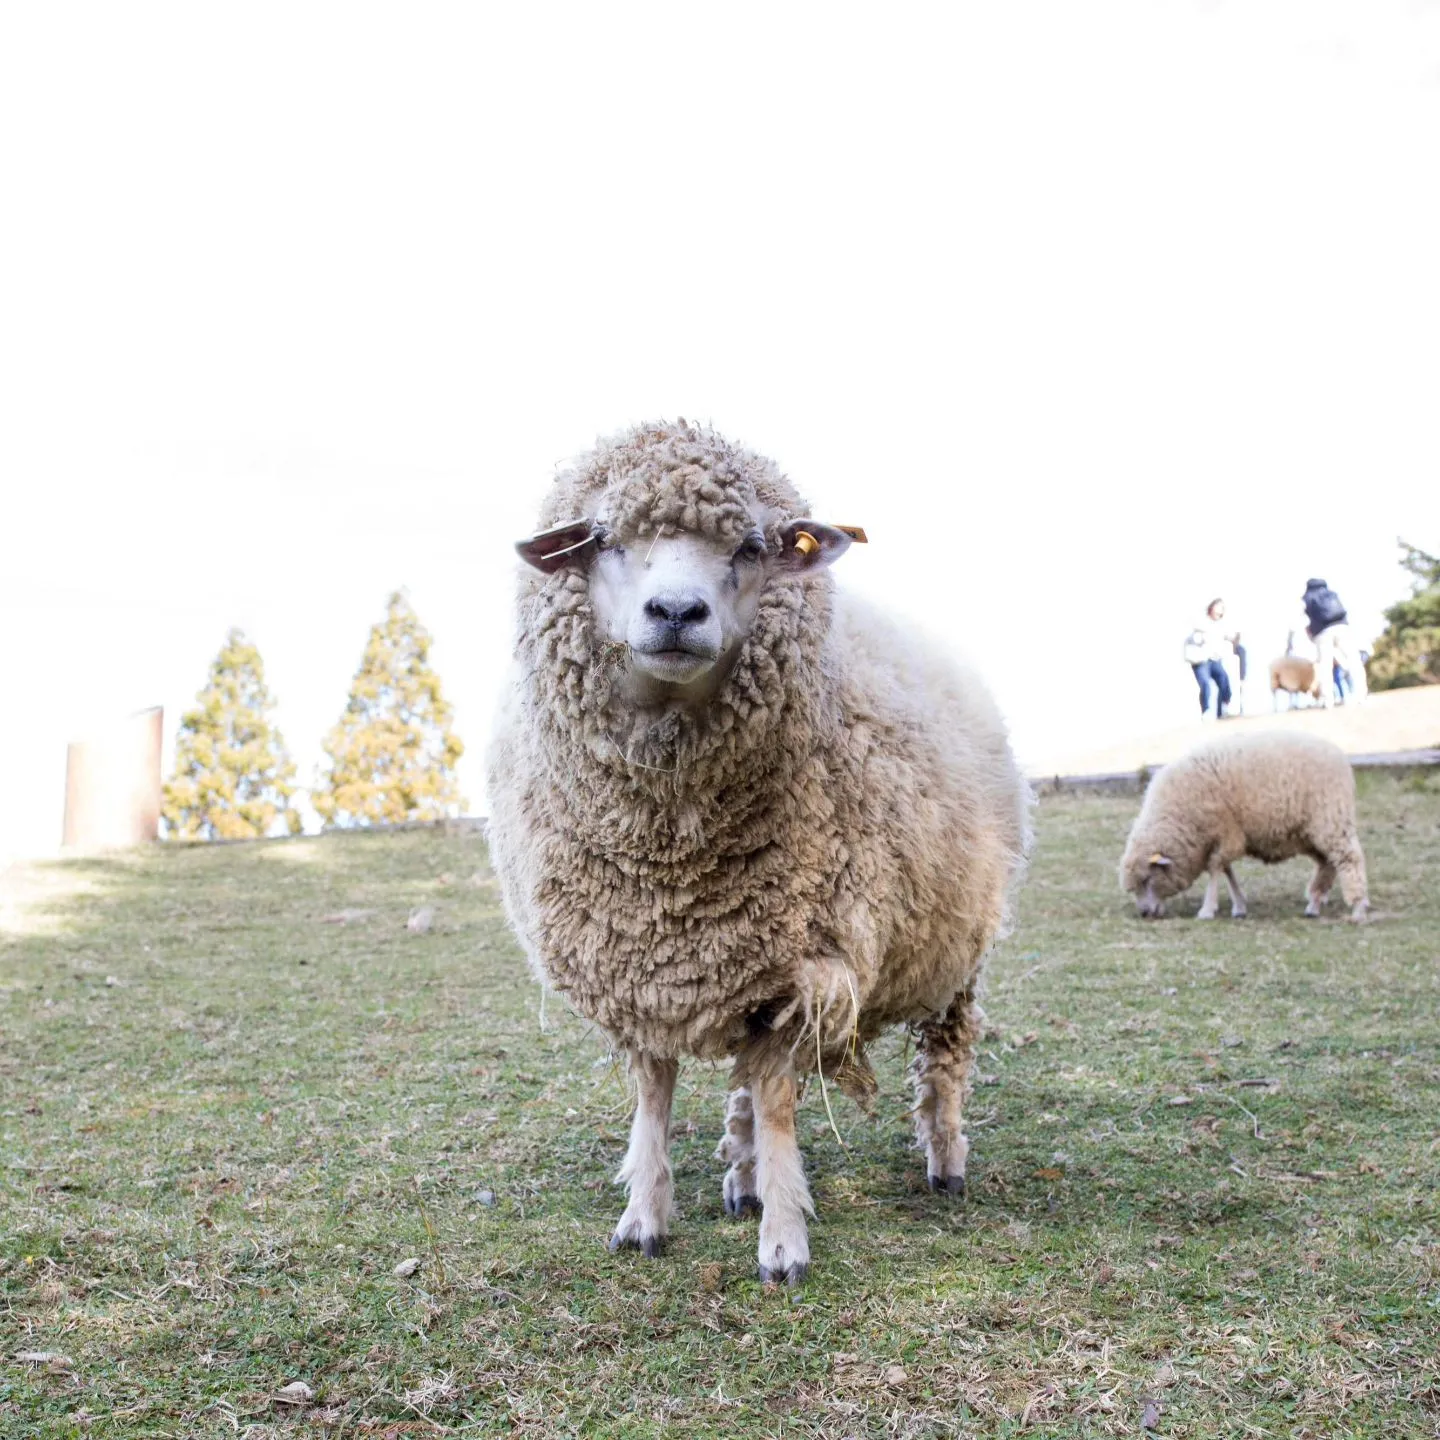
560,545
807,545
1163,862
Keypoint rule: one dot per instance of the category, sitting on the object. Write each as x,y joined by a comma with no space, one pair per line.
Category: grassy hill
1394,720
236,1091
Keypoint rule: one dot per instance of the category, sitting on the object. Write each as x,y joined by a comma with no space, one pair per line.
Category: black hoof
743,1205
948,1184
650,1247
793,1276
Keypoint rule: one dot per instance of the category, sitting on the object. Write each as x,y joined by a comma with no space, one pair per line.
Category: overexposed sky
1087,312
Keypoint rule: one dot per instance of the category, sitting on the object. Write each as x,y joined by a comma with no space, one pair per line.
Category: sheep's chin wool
678,872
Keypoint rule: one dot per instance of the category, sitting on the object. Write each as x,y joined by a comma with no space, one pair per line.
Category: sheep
1295,675
739,815
1271,795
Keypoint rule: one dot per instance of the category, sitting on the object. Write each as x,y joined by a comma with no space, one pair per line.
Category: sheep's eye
752,547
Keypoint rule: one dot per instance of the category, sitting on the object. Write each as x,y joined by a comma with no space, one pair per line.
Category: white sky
1086,312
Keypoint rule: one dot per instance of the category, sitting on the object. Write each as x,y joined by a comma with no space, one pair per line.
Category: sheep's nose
677,609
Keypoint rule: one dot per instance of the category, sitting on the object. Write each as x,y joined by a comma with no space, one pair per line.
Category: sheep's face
681,602
1152,881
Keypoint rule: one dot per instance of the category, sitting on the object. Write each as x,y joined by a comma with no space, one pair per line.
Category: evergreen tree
1408,653
393,753
233,776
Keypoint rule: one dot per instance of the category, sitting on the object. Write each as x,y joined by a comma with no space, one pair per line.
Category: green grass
1203,1176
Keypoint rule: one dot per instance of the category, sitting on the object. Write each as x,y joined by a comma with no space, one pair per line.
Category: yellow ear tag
1156,859
806,543
855,532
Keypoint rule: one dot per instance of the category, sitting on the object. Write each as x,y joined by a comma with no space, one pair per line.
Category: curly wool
1270,795
679,874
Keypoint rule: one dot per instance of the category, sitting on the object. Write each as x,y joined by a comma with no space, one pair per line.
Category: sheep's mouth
676,652
674,662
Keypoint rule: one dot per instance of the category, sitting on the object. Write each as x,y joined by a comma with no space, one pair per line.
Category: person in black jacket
1328,626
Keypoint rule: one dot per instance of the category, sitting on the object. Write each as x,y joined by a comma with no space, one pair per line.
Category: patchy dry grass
236,1092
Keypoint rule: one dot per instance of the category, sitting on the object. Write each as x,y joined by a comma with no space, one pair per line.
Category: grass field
236,1091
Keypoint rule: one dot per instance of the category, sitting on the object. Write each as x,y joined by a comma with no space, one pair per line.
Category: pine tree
1408,653
393,753
233,776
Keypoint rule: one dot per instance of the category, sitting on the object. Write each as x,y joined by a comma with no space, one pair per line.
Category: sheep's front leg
646,1169
1211,902
1237,895
737,1148
784,1195
942,1083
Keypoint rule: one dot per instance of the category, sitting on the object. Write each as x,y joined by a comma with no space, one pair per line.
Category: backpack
1323,609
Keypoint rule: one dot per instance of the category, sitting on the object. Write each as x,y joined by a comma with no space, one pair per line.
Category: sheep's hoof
784,1253
948,1184
1238,914
1312,912
737,1190
791,1275
649,1246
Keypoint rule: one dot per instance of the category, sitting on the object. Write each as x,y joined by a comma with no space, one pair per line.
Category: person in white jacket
1205,653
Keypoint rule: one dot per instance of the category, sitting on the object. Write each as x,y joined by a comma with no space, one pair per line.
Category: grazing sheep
738,814
1270,795
1295,675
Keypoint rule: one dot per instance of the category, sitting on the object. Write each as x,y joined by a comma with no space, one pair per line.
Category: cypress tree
393,752
233,776
1408,653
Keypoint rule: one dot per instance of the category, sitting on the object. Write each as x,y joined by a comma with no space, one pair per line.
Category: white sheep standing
736,814
1270,795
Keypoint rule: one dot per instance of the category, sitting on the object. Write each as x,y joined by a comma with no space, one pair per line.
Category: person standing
1205,651
1327,624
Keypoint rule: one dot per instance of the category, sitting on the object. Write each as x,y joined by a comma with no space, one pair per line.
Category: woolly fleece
847,795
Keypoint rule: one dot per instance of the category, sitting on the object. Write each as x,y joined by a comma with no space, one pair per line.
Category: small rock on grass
484,1197
42,1357
1150,1419
420,920
297,1392
406,1268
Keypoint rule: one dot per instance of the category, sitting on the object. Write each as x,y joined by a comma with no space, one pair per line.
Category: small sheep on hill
1295,675
738,814
1269,795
